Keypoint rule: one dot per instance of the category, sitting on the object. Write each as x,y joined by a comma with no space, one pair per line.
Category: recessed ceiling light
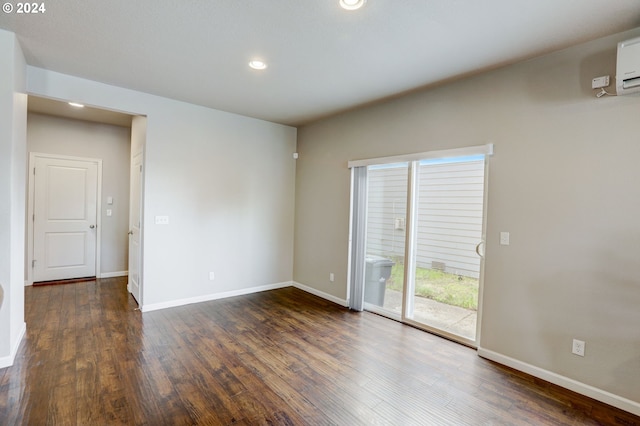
352,4
257,65
75,104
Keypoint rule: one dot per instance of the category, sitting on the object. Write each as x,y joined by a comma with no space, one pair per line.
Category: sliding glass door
422,240
447,213
386,231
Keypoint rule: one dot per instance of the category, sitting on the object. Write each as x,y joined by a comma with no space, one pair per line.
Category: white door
135,210
65,218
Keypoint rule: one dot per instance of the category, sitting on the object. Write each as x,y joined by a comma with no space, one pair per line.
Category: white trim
242,292
410,246
321,294
557,379
114,274
29,218
7,361
99,219
350,240
485,209
444,153
214,296
141,227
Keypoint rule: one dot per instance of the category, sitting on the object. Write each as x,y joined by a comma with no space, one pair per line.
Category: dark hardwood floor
277,357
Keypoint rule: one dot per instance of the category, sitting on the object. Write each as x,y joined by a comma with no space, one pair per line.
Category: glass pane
449,210
386,228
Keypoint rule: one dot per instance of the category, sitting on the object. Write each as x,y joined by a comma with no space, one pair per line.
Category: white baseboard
7,361
574,385
114,274
215,296
224,295
102,275
322,294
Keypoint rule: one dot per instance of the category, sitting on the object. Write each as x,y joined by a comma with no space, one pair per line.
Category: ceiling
321,59
86,113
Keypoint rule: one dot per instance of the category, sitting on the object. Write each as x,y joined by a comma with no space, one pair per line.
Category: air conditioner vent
628,67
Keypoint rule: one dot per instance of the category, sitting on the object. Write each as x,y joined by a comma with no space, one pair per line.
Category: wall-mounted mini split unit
628,67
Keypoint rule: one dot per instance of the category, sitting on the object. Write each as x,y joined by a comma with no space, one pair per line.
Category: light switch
504,238
162,220
109,212
109,200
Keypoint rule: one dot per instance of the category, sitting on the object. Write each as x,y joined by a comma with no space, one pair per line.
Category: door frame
140,227
410,252
487,151
138,147
31,201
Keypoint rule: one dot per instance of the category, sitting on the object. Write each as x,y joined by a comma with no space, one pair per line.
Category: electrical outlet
212,276
331,277
578,347
504,238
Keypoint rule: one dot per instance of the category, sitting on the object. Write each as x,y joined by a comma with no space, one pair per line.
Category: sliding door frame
410,259
411,235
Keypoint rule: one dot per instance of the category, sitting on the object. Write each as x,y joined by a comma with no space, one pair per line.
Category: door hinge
34,171
33,263
140,168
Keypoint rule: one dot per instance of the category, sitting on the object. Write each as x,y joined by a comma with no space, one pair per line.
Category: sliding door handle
481,243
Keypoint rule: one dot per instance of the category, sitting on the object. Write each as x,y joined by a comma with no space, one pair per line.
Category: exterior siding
387,201
450,208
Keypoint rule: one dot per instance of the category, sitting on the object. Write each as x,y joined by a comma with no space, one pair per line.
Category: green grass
440,286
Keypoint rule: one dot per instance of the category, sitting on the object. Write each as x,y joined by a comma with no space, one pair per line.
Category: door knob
92,226
130,232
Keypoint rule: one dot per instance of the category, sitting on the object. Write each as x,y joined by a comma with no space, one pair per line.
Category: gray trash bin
377,272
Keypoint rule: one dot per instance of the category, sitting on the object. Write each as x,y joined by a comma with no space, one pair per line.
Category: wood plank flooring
281,357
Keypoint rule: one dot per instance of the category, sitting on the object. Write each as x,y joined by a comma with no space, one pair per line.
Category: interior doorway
88,133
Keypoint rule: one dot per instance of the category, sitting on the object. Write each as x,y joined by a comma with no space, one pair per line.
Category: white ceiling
321,59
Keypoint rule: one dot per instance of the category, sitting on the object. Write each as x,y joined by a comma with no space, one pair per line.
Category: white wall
13,109
112,144
225,181
563,181
138,134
